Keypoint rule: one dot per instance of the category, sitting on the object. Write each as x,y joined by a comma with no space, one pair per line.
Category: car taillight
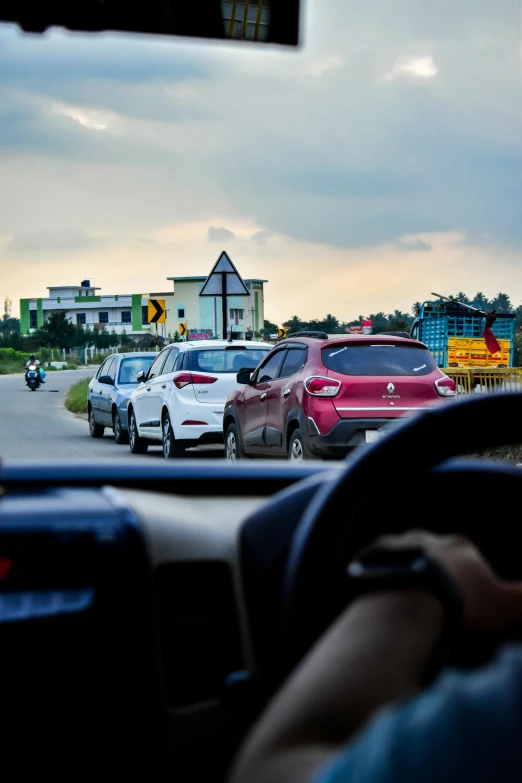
446,387
322,387
186,378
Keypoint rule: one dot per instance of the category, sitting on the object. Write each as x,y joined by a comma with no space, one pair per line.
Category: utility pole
252,311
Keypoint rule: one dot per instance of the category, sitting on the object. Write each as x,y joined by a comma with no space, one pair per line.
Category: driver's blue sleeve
466,727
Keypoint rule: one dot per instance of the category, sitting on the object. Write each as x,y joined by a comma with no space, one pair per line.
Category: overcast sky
380,161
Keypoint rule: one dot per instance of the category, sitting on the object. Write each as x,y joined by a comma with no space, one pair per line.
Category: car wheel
233,450
121,436
96,430
172,448
297,450
137,445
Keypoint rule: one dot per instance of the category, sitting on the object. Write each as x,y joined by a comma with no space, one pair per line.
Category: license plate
371,436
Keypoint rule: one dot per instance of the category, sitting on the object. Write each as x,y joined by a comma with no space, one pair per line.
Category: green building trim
137,325
39,313
24,316
80,299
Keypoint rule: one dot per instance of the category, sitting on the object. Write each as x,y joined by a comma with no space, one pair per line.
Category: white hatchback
181,399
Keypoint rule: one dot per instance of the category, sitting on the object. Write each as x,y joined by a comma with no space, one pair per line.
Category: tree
502,304
480,301
293,325
399,322
57,331
463,298
379,322
330,325
103,338
88,337
268,328
416,308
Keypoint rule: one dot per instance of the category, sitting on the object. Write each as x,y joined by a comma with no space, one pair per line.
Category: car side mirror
106,379
140,376
244,376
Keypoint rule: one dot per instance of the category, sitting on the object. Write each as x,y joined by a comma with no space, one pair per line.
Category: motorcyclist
34,361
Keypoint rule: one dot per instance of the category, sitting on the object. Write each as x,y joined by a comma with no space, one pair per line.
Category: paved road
36,425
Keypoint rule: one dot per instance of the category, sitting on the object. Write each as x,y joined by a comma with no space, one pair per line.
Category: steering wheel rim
325,542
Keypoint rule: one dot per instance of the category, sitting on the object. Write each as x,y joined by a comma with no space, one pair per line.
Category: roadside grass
76,399
12,361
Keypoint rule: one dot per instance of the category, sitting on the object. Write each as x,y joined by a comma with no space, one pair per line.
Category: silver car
110,389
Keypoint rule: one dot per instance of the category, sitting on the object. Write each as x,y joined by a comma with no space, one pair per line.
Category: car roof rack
317,335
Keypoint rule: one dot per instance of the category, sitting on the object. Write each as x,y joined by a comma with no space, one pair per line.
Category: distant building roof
204,277
72,287
161,293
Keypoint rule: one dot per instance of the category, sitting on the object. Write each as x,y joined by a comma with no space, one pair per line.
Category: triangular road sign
213,285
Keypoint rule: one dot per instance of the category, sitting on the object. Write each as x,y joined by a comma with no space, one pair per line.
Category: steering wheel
394,486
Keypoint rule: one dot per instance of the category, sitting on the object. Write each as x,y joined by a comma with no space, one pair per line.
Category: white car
181,399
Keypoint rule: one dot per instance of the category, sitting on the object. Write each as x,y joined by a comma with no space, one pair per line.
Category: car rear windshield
227,360
378,359
130,368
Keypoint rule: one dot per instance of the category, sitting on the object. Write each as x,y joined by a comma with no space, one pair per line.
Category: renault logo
391,388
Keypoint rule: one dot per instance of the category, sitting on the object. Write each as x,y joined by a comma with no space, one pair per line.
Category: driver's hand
490,604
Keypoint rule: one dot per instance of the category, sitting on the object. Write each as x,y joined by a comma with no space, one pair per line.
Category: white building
245,314
86,306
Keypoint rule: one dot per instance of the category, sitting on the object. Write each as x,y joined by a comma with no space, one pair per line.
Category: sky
376,163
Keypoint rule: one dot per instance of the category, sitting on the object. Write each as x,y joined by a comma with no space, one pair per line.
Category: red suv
315,396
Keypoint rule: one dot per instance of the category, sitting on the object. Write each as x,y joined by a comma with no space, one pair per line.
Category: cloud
260,237
417,68
221,234
63,240
322,65
412,243
89,119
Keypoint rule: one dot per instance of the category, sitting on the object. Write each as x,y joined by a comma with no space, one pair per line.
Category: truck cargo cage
453,331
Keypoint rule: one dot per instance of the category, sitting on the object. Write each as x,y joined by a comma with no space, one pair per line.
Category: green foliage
57,331
12,361
268,328
76,399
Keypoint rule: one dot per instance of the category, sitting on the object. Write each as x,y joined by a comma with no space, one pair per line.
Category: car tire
172,448
297,448
233,450
95,430
121,436
137,445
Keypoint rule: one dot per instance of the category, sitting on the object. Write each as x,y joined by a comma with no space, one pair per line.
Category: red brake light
446,387
322,387
186,378
5,567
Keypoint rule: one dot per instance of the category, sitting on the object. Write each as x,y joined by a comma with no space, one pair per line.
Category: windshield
129,369
162,189
378,359
226,360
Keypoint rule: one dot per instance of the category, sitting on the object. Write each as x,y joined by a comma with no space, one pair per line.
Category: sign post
224,280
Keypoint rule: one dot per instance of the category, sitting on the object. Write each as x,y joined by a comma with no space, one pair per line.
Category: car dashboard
162,584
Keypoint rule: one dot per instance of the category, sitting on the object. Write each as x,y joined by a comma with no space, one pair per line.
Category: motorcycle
32,377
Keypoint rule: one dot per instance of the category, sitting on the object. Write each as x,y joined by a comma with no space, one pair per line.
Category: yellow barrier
480,380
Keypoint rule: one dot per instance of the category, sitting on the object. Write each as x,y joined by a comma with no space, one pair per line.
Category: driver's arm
375,654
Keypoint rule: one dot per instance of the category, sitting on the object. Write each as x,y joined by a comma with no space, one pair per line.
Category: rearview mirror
243,376
140,376
106,379
263,21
